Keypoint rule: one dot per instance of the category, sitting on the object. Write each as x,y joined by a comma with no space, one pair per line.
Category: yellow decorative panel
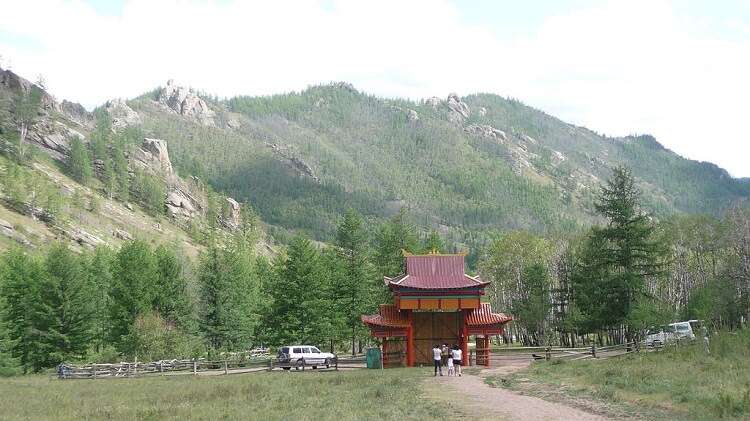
470,303
449,303
428,304
408,304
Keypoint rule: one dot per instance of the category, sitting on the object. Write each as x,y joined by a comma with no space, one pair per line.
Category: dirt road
472,396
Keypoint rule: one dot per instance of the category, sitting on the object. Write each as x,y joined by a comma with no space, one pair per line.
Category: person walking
436,356
456,355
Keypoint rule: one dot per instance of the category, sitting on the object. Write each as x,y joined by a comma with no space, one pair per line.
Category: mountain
466,166
133,190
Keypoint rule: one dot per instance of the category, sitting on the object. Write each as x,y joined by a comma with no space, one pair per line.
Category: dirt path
471,395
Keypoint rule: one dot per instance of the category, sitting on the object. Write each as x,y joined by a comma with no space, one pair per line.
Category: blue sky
675,69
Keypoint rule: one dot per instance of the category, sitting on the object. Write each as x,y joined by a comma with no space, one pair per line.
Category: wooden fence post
303,364
270,365
548,354
226,367
94,367
593,350
195,367
336,361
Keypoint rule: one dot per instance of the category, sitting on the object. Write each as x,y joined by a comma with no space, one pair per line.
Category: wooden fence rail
195,367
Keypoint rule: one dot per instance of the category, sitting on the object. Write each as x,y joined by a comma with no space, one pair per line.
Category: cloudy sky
677,70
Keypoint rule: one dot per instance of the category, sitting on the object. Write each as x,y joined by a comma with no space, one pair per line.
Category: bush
151,338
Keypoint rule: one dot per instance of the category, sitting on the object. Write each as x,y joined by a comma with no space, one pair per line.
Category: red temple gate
435,302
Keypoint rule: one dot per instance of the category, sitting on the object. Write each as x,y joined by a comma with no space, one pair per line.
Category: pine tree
298,309
433,243
27,112
355,287
79,162
99,268
132,293
228,296
171,298
20,279
120,168
396,235
615,261
62,312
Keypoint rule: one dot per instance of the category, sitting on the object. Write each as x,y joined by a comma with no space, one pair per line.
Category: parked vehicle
300,355
657,336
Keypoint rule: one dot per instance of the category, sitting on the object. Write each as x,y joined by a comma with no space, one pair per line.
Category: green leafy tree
433,243
617,259
26,113
109,178
134,273
63,309
298,306
395,236
228,295
79,162
120,168
21,276
153,338
171,299
355,285
534,306
99,267
150,192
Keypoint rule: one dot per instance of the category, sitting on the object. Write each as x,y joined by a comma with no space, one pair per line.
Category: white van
298,355
657,336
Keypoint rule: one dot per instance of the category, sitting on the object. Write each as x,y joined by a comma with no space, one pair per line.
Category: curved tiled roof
483,316
388,315
436,271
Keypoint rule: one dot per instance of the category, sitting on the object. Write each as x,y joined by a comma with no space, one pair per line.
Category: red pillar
465,340
487,347
410,351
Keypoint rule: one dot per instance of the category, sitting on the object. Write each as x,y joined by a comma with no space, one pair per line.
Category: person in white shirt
451,370
436,359
456,355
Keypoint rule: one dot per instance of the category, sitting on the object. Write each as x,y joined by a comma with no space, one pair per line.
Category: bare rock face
122,115
485,130
6,229
186,103
459,110
76,113
122,235
232,218
433,102
53,136
292,160
153,157
411,115
180,204
482,111
84,238
13,82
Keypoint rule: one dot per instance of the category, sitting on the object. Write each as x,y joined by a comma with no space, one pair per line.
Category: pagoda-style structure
435,302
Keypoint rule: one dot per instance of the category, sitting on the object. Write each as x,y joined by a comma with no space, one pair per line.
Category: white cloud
618,68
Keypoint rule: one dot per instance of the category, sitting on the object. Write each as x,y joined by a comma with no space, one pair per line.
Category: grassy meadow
361,395
675,383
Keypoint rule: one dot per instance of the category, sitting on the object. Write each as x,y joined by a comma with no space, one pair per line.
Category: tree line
622,277
149,301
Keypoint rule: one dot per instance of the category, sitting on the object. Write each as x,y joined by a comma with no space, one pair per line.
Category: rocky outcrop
53,136
232,218
458,110
7,230
433,102
487,131
481,111
85,238
179,205
122,115
186,103
19,85
76,113
294,162
122,235
411,115
153,157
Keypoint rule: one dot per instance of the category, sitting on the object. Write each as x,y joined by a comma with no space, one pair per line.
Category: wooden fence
504,356
198,367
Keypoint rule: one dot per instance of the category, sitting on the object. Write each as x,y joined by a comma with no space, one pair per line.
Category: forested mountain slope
462,165
67,175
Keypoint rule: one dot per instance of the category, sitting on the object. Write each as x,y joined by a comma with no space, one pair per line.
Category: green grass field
676,383
361,395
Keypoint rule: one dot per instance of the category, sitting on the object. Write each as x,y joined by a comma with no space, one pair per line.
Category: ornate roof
483,316
388,315
435,271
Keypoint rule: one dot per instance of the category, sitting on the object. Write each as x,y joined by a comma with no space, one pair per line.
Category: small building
435,302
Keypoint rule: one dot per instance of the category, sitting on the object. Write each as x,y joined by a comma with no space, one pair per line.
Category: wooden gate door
432,328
